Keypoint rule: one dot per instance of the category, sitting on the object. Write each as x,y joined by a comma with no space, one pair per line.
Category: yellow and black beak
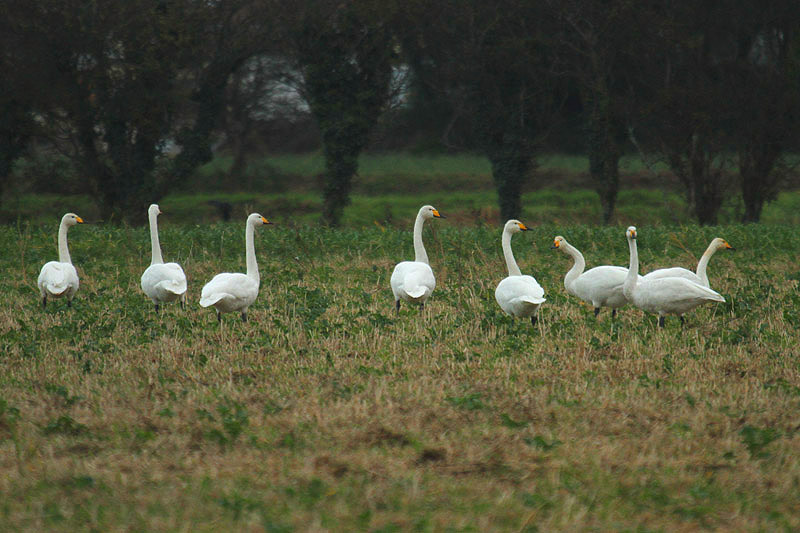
265,221
437,215
79,219
728,246
556,244
523,227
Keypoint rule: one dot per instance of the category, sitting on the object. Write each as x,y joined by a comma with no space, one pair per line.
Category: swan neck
703,263
420,255
63,249
577,267
633,270
252,266
511,263
155,245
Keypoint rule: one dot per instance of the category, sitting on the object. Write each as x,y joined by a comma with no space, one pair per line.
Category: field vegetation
328,412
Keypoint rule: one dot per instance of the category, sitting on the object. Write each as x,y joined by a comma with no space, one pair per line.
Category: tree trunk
341,164
511,166
603,152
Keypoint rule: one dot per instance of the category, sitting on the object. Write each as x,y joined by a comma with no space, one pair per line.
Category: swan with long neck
162,282
413,281
236,292
59,279
700,276
663,296
517,295
600,286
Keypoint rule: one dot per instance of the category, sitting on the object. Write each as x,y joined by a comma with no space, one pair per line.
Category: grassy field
326,412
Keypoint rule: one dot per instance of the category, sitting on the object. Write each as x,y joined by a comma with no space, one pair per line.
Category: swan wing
674,272
236,288
412,280
164,281
519,295
673,295
58,278
601,286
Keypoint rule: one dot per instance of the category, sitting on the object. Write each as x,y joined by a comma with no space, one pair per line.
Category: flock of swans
662,292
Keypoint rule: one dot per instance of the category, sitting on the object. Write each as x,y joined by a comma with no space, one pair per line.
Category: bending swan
601,286
59,278
700,277
236,292
162,282
664,295
413,281
518,295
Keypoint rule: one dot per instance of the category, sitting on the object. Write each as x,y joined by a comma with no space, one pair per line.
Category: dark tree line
712,89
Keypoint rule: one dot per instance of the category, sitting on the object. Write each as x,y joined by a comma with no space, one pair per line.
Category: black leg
69,303
183,304
661,321
157,308
397,307
219,316
596,311
244,316
422,306
613,313
534,320
683,320
44,302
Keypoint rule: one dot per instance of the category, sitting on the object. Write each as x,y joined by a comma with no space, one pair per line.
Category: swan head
70,219
428,211
257,220
559,242
630,233
721,244
153,210
515,226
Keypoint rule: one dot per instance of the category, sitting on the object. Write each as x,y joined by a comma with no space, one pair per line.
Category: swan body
235,292
413,281
700,277
162,282
663,296
59,279
518,295
600,286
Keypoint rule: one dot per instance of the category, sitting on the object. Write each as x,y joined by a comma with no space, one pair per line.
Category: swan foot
397,307
157,308
534,320
219,317
69,303
44,302
183,302
613,313
244,316
683,321
422,306
661,321
596,311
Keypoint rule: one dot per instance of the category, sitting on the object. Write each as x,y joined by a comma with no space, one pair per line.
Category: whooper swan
700,277
59,278
162,282
413,281
235,292
664,295
518,295
600,286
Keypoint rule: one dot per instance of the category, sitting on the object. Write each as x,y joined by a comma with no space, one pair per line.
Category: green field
328,412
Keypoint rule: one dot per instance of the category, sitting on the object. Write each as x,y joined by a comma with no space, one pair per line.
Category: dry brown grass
327,412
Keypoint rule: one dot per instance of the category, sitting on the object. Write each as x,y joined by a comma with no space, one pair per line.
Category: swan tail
532,300
211,299
57,288
415,292
173,286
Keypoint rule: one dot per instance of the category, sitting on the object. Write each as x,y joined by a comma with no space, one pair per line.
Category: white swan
59,278
601,286
236,292
700,277
162,282
664,295
518,295
413,281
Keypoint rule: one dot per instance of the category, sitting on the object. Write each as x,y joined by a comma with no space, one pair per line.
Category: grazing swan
162,282
413,281
601,286
236,292
518,295
59,278
701,277
665,295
